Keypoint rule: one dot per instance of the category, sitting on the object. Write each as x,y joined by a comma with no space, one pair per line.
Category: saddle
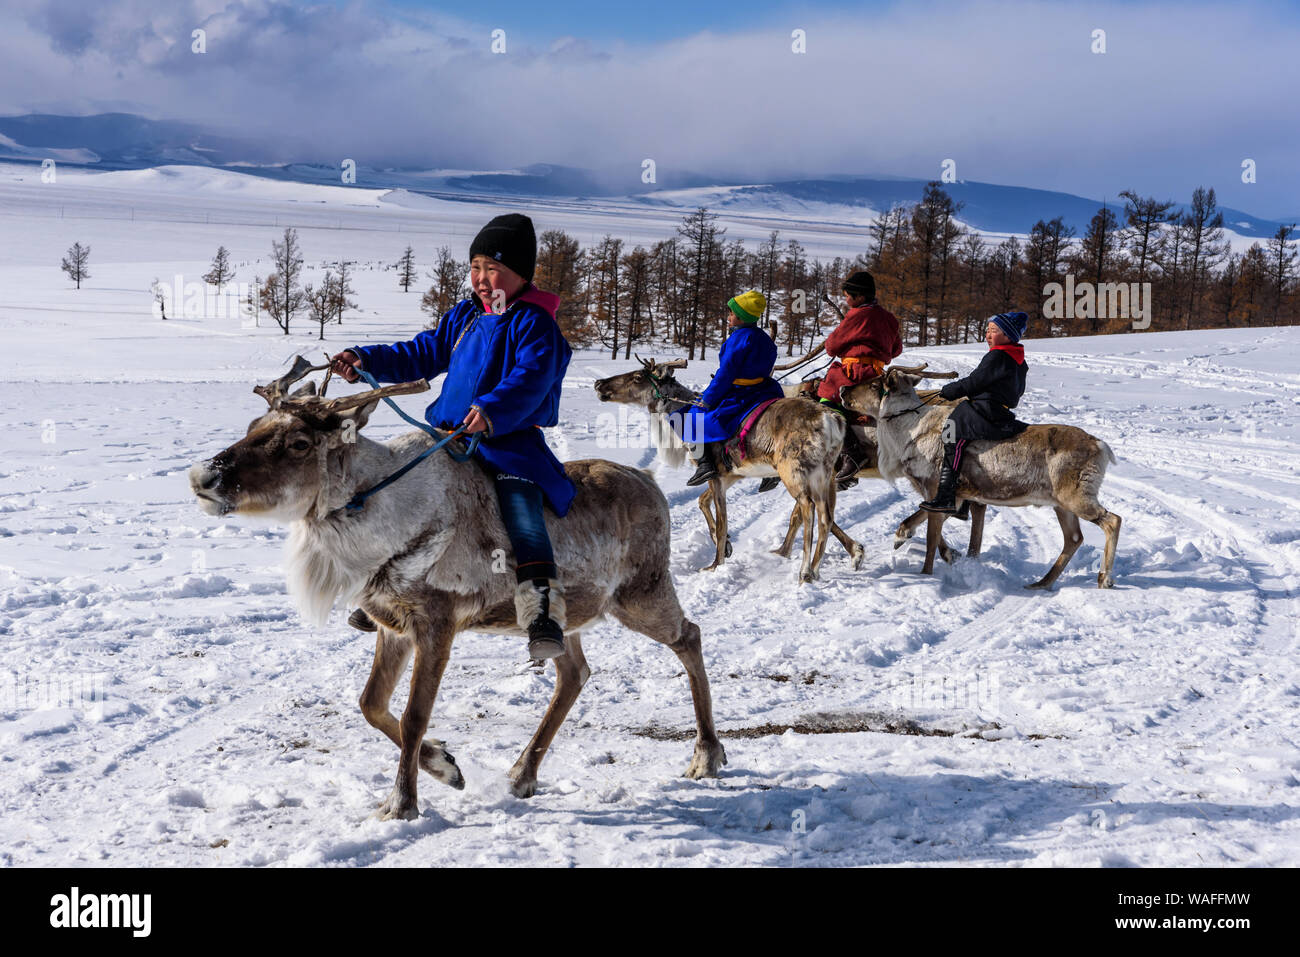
733,450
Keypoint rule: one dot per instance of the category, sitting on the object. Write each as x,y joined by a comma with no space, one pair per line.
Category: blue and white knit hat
1012,324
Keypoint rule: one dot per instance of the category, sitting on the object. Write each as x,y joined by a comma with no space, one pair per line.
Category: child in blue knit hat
991,392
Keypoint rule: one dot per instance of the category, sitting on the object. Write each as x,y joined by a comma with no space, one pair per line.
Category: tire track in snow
1277,634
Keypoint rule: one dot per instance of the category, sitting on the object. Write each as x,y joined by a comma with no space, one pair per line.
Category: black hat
861,283
511,241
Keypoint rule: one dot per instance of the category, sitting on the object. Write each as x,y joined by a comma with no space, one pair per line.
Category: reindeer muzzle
205,483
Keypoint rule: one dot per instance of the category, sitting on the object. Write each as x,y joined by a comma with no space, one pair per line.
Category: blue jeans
521,511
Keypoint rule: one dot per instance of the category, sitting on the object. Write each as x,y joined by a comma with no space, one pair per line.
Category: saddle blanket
734,450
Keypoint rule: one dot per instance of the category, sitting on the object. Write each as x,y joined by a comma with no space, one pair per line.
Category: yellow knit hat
748,306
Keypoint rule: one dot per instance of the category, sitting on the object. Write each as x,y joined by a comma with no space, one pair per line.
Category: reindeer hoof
1038,586
523,787
398,807
1105,581
727,550
857,555
709,568
438,762
706,761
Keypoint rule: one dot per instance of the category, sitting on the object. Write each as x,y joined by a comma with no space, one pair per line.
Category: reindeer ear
350,422
308,389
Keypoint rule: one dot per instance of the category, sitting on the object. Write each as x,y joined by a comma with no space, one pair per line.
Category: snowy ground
1152,724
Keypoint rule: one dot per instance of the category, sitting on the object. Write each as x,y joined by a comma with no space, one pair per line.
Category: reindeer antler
920,371
344,402
276,396
650,364
274,392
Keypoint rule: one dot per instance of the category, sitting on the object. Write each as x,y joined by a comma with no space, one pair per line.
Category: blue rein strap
358,501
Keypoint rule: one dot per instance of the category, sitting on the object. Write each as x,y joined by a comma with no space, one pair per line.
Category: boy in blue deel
743,380
504,357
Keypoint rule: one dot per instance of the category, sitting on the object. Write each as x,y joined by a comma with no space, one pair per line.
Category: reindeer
1057,465
417,558
655,387
793,440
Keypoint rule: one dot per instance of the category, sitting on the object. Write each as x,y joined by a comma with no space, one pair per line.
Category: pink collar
549,302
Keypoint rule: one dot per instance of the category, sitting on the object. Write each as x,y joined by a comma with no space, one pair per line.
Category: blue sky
1010,90
636,22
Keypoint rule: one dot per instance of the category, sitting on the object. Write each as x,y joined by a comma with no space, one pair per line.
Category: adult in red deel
865,341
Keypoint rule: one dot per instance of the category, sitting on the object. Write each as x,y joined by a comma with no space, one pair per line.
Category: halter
663,398
916,409
358,501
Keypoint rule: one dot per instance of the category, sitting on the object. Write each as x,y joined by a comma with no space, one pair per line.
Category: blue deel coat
748,353
509,366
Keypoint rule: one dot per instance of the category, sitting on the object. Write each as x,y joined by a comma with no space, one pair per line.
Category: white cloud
1007,89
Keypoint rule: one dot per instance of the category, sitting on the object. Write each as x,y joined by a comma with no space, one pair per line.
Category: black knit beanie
861,283
511,241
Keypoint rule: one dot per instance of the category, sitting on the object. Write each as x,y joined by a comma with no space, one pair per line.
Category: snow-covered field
966,720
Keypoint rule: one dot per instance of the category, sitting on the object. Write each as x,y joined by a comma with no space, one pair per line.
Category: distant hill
127,141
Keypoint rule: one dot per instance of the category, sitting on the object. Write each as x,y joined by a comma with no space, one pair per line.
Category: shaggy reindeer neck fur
332,553
901,416
671,395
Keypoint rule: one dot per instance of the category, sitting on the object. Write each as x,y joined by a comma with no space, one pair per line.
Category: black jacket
992,391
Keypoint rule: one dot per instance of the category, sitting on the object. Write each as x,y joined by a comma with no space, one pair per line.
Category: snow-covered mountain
126,141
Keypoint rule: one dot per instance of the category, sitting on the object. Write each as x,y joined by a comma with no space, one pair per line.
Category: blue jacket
509,367
748,353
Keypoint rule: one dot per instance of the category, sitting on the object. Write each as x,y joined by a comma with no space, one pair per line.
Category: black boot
945,500
769,483
852,456
708,468
539,609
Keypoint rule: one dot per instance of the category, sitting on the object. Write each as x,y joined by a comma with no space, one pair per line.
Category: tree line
939,277
943,280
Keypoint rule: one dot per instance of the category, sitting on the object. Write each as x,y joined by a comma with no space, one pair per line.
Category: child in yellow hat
743,381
